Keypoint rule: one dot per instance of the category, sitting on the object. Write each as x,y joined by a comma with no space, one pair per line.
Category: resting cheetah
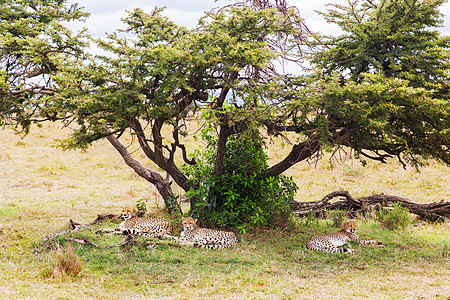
148,226
330,242
204,237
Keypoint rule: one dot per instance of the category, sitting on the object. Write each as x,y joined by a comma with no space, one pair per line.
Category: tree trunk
431,211
224,133
156,179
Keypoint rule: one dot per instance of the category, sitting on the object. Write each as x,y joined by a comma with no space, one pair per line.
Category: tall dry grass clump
64,264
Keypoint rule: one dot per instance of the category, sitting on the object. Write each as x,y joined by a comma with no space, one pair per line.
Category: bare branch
83,241
176,143
156,179
157,156
298,153
36,88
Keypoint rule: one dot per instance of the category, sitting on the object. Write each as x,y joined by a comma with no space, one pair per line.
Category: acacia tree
387,99
154,78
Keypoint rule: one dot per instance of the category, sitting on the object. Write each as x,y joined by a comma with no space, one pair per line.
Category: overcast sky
106,14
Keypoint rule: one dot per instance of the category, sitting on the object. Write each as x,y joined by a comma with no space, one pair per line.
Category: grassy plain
42,187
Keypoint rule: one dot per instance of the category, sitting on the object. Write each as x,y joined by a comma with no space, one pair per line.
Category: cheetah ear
195,220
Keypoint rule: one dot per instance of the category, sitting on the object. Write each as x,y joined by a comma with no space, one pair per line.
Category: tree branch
83,241
156,179
273,127
176,143
136,125
157,155
298,153
41,90
224,92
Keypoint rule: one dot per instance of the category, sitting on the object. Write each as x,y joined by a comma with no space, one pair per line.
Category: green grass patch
268,252
266,262
8,213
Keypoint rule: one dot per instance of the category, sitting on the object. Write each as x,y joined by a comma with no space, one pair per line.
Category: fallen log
361,206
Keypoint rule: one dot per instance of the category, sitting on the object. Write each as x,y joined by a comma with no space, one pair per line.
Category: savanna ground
42,187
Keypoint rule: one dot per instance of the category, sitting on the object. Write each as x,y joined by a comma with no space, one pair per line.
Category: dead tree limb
102,217
431,211
83,241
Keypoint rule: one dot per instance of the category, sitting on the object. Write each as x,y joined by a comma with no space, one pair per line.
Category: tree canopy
33,44
380,89
385,81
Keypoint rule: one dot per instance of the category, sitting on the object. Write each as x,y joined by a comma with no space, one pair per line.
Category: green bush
239,197
141,207
393,218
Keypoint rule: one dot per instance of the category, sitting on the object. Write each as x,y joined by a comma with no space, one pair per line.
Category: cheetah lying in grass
148,226
204,237
330,242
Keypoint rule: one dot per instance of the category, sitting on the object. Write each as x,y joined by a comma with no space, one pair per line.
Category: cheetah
330,242
204,237
148,226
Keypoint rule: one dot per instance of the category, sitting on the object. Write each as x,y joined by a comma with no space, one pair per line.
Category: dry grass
63,265
41,187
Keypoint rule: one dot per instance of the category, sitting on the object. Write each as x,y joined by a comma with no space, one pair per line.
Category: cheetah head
127,212
349,226
189,223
